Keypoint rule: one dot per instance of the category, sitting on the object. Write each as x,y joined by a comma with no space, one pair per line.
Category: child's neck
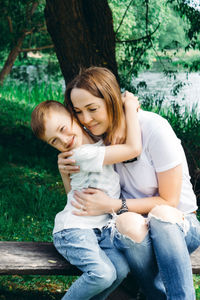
87,138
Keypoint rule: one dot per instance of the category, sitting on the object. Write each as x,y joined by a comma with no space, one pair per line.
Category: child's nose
66,141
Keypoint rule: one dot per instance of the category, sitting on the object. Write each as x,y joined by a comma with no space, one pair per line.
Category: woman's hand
93,202
66,165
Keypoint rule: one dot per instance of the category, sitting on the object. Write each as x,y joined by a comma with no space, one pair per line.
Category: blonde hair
39,113
102,83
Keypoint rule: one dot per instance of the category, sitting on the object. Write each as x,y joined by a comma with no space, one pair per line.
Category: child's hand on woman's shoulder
128,97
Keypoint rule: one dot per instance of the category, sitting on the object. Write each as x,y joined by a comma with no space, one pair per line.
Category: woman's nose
86,118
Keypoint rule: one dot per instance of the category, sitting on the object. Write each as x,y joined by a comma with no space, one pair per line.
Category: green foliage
139,22
174,35
16,18
149,27
191,14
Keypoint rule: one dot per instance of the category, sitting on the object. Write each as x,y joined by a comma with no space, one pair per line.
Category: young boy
82,239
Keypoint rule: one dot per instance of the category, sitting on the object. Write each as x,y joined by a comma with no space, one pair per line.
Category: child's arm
133,145
66,182
64,173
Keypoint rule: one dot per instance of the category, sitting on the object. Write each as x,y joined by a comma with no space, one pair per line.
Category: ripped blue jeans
92,251
161,262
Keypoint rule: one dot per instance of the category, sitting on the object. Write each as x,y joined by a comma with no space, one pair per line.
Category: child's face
60,132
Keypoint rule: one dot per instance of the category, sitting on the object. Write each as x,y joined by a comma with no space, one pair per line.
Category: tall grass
31,93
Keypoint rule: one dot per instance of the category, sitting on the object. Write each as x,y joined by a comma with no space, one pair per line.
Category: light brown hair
39,113
102,83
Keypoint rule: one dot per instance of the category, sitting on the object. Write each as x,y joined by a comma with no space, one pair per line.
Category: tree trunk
11,59
83,35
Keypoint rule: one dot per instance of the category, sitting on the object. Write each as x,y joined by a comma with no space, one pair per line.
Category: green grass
31,94
33,287
29,177
31,191
197,286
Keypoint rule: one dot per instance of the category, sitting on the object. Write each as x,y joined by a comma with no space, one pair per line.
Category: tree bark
83,35
11,59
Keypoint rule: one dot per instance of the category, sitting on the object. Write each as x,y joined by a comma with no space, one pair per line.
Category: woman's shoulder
150,121
155,129
149,116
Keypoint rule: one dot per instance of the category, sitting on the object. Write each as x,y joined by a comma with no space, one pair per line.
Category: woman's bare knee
132,225
167,213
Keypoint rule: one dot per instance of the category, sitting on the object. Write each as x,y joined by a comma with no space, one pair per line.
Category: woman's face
90,110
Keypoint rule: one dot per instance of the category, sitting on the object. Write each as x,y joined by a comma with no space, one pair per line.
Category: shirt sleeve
90,157
164,147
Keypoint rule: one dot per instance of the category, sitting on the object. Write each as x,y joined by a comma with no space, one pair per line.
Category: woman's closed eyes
89,109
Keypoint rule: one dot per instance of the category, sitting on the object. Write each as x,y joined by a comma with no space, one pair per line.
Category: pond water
157,83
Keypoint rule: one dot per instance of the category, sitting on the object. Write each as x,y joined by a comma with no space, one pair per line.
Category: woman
160,229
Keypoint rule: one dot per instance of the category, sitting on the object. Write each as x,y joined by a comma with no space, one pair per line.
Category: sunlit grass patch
31,94
197,286
34,287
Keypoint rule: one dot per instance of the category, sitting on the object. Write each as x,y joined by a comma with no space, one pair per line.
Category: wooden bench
39,258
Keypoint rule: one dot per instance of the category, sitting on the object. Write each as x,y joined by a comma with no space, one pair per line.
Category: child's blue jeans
92,251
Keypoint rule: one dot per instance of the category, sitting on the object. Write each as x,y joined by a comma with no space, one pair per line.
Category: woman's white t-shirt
161,151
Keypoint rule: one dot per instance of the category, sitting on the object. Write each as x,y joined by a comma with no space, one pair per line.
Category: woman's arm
133,144
169,189
97,202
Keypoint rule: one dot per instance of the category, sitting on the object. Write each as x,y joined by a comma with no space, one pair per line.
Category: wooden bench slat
36,258
40,258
